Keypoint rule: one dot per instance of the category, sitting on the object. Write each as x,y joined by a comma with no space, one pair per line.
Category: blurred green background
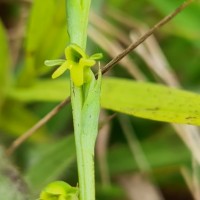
134,156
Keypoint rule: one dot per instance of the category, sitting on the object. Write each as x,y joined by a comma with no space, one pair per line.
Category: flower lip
74,53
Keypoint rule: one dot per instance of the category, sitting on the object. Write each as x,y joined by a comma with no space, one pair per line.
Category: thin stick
107,67
132,46
37,126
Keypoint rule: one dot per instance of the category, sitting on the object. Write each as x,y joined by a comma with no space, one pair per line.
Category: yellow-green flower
78,62
59,190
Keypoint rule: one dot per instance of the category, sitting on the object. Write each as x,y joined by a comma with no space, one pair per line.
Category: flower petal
87,62
60,70
74,53
96,56
51,63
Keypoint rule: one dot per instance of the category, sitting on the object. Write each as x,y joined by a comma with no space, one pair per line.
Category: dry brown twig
38,125
113,49
107,67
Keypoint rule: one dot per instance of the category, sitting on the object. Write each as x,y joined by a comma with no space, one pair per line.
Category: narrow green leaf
90,111
39,22
4,63
55,39
146,100
38,28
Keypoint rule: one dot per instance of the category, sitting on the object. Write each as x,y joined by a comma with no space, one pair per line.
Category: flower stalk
85,93
85,97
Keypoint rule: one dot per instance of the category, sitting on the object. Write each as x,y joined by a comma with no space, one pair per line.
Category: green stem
85,116
85,155
85,122
77,99
77,19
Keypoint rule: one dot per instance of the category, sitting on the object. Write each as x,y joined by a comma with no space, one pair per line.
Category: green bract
78,62
59,190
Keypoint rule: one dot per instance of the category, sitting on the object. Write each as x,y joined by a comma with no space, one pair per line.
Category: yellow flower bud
59,190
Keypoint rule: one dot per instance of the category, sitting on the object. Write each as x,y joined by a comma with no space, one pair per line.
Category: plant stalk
85,109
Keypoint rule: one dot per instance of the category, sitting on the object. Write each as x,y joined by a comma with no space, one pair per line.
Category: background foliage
131,152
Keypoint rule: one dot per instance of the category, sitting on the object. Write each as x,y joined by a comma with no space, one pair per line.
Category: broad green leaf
141,99
48,90
12,186
51,163
4,63
151,101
